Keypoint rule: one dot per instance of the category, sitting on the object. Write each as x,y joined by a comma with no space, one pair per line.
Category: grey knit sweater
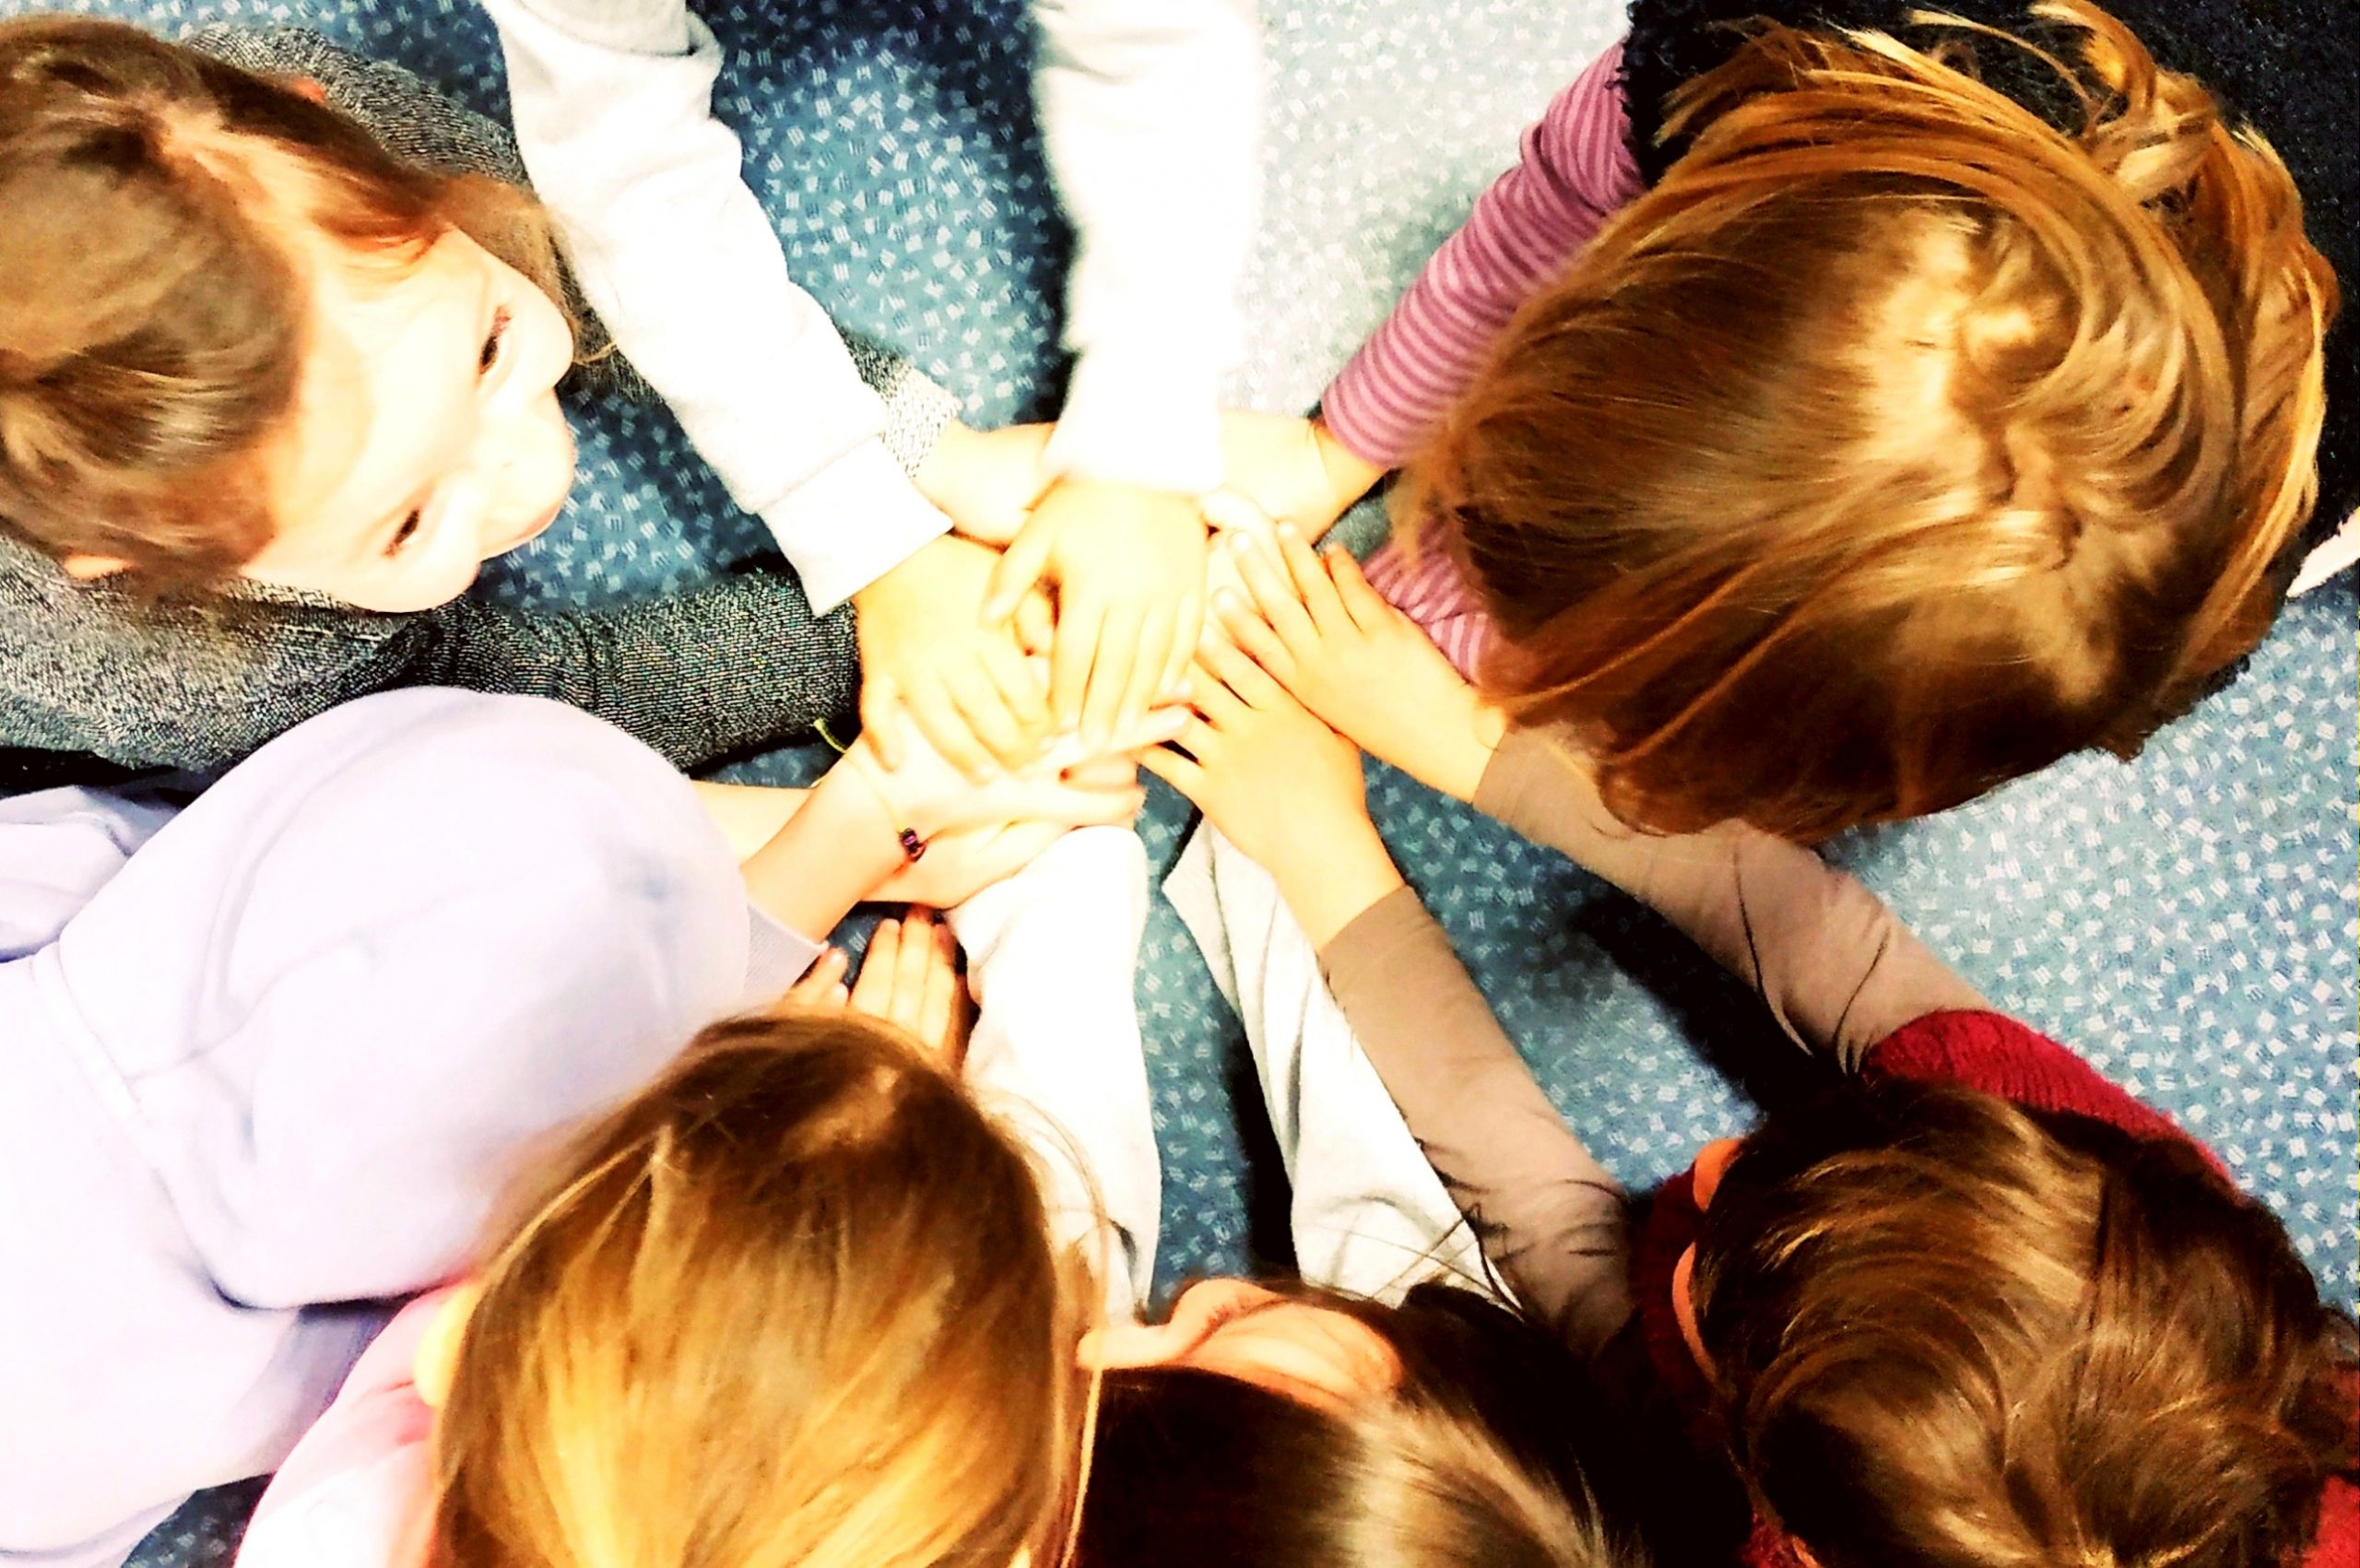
94,680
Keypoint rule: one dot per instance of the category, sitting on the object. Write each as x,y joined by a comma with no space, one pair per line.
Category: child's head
796,1302
1259,1427
240,337
1895,445
1946,1331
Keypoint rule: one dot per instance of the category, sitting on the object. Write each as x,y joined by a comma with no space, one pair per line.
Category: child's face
1301,1349
426,437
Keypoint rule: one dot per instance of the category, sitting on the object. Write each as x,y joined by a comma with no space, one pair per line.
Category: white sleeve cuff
1147,417
2331,555
851,523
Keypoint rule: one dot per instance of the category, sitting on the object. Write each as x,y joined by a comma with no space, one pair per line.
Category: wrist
828,857
1462,747
938,471
1329,877
1350,476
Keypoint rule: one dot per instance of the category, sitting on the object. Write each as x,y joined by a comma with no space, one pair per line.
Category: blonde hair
795,1304
1896,444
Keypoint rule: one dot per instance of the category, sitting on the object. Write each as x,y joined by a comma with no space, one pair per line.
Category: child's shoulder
2010,1059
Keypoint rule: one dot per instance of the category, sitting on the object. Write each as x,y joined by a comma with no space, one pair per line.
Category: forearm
830,853
699,676
1548,1216
1835,966
612,101
1052,955
1335,869
1151,112
1574,173
749,816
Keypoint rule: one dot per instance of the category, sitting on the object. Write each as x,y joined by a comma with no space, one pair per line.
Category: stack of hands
1019,671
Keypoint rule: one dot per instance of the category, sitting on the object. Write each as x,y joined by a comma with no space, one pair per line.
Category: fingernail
1287,531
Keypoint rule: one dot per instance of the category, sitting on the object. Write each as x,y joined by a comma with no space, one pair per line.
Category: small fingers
821,985
938,1017
1119,650
1005,743
1233,512
1148,678
1252,635
914,957
1180,772
1198,740
1071,657
1036,622
1113,771
1023,686
1265,576
1367,607
1187,625
1211,696
1252,684
1311,585
1019,567
872,989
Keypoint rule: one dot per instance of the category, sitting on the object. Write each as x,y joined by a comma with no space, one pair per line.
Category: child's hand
1129,566
1070,786
961,864
1316,625
822,988
910,977
986,482
1284,787
1292,468
925,647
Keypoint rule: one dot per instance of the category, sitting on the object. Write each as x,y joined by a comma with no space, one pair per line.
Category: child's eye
490,355
405,534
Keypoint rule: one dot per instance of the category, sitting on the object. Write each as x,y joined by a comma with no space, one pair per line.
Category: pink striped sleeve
1575,172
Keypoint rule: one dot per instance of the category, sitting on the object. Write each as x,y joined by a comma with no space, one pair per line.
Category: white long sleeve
1053,957
613,105
1151,110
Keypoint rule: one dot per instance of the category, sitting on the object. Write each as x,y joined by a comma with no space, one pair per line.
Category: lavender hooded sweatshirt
267,1061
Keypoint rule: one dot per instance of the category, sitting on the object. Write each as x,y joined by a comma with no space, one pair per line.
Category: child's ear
86,568
437,1361
304,86
1711,1161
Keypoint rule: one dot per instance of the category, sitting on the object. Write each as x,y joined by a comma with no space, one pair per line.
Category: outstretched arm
1288,792
1837,968
1574,175
612,101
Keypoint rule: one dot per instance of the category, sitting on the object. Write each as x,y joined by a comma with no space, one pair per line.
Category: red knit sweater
1984,1051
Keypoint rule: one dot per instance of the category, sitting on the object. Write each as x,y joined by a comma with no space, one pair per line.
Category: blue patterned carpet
2189,921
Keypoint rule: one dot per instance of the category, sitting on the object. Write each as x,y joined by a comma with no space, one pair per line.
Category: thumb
1234,511
1036,623
880,714
1018,569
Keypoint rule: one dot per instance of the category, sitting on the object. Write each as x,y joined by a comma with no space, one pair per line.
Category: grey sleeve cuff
917,409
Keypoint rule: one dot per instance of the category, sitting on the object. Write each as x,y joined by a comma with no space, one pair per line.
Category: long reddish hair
1896,443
